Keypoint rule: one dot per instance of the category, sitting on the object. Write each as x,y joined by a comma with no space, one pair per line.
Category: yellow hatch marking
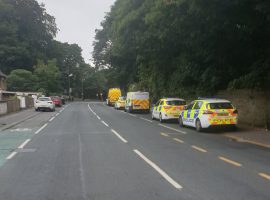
178,140
164,134
266,176
199,149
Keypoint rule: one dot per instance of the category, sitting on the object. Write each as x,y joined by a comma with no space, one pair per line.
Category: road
91,151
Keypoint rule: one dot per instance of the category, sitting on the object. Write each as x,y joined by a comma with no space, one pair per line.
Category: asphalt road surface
91,151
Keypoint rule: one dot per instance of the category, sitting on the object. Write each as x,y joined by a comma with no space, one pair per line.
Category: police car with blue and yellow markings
204,113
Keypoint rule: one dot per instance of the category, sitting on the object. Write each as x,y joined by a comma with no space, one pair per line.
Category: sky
77,21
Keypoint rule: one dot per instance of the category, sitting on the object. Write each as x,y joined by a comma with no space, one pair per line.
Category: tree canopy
186,47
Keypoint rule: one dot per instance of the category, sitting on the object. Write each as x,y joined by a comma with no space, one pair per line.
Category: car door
186,115
195,112
155,110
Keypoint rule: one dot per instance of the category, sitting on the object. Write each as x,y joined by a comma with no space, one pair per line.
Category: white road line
57,114
119,136
146,119
51,119
132,115
159,170
23,144
98,117
39,130
11,155
90,108
174,129
105,123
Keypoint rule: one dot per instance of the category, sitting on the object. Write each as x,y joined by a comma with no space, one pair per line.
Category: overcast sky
77,20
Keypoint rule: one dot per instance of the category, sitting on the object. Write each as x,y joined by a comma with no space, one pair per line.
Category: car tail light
235,111
207,112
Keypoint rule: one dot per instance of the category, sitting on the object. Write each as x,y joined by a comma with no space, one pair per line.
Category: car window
157,103
176,103
161,103
221,105
190,106
44,99
198,105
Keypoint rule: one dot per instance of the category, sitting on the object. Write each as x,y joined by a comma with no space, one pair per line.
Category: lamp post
69,88
82,89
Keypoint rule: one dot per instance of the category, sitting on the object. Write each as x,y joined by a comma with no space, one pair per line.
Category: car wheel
180,120
160,118
198,125
36,109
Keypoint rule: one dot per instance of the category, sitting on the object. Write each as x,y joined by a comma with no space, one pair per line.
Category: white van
137,101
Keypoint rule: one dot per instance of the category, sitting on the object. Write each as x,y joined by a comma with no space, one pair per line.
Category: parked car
137,102
44,103
120,103
204,113
57,101
168,108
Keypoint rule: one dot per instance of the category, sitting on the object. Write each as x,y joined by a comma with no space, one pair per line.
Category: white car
44,103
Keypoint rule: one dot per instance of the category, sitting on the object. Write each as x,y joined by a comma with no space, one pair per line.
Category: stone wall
253,106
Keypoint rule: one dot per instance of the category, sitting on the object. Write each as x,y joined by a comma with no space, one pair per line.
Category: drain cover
26,150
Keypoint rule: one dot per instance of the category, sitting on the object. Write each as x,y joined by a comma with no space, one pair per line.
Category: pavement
91,151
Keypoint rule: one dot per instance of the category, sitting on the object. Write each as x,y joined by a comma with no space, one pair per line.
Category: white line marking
160,171
183,132
11,155
146,119
178,140
24,143
98,117
57,114
132,115
94,113
51,119
105,123
119,136
38,131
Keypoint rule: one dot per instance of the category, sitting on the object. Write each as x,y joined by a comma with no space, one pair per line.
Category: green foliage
21,80
185,47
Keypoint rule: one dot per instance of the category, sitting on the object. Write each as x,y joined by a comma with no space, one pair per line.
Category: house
3,81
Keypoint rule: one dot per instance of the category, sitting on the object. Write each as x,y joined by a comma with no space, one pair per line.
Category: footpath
258,137
12,119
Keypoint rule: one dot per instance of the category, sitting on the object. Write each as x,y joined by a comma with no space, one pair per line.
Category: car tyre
198,126
180,120
36,109
160,118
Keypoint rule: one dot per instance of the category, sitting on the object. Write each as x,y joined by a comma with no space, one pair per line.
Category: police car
168,108
204,113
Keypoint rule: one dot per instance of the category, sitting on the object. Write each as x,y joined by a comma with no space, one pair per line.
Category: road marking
57,114
24,143
164,134
247,141
39,130
90,108
199,148
11,155
119,136
178,140
105,123
146,119
98,117
94,113
266,176
174,129
159,170
132,115
51,119
230,161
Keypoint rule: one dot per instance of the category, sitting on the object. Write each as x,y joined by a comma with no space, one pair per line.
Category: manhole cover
25,150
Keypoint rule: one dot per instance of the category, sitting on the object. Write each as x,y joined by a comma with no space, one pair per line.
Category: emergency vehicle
204,113
120,103
113,96
137,101
168,108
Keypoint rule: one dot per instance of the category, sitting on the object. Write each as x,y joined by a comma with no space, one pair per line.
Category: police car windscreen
176,103
221,105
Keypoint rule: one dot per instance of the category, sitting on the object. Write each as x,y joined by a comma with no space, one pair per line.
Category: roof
173,99
215,100
2,74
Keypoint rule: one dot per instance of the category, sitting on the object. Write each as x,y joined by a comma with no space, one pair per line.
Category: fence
13,105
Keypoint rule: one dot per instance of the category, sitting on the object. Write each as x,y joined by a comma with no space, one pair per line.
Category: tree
21,80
